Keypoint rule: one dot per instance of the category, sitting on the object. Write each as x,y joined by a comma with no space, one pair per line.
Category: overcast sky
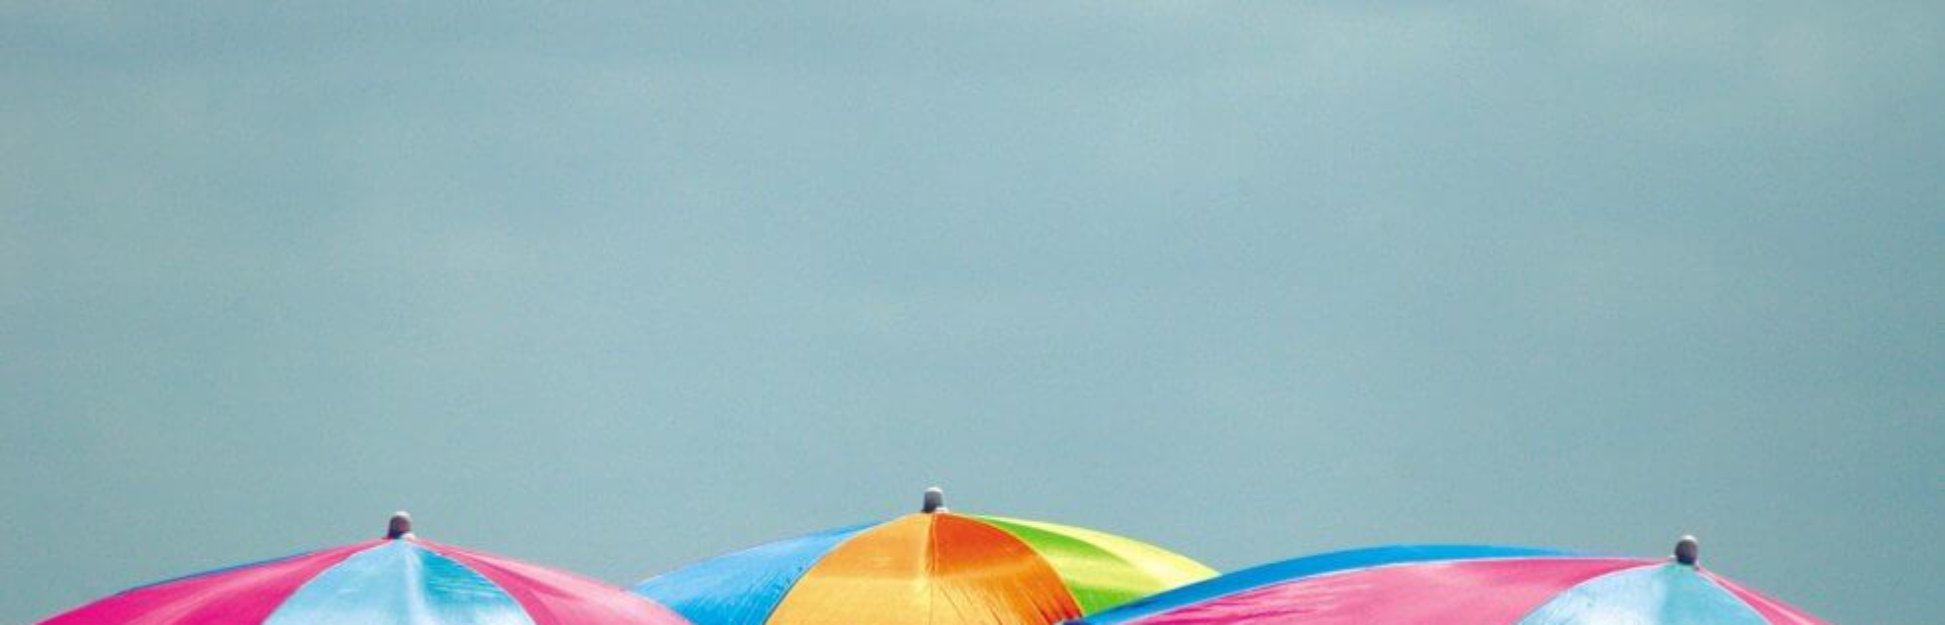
617,289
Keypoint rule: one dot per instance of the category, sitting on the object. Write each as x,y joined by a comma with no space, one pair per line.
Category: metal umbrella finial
1688,551
934,500
400,527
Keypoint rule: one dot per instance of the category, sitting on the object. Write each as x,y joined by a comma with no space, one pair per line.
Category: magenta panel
243,595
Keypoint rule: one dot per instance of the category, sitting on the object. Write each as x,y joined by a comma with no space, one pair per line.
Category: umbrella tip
400,527
1688,551
934,500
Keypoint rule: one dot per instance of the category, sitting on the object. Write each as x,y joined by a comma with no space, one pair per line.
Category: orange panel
928,569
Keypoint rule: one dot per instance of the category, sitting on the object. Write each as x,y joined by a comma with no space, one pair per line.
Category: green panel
1103,570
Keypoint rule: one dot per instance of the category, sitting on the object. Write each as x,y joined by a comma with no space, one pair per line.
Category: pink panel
558,598
1475,592
235,597
1772,610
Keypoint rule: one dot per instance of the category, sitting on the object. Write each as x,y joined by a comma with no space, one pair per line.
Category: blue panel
399,584
742,588
1291,570
1670,594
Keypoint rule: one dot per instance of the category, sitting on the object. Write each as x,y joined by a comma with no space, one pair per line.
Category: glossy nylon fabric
1476,592
244,594
1774,611
407,582
399,583
1103,570
928,569
1666,594
742,588
1300,568
552,597
747,587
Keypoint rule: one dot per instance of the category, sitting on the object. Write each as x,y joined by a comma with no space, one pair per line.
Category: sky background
619,288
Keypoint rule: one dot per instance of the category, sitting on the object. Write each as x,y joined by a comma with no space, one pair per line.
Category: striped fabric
1476,585
406,581
931,568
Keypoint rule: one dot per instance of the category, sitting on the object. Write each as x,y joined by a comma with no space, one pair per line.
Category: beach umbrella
398,580
932,568
1474,585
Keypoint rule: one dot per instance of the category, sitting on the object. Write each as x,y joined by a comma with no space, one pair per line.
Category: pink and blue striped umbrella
1473,585
399,580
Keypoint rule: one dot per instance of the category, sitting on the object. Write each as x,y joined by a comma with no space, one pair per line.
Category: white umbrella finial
1688,551
400,527
934,500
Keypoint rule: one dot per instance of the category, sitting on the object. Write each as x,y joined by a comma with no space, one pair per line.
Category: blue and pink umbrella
399,580
1473,585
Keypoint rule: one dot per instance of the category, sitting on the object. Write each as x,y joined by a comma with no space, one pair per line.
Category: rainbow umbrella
400,580
933,568
1464,584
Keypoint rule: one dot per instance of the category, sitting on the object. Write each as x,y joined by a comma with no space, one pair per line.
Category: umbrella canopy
935,568
399,580
1475,585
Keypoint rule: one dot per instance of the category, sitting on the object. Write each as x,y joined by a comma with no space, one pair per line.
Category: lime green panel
1103,570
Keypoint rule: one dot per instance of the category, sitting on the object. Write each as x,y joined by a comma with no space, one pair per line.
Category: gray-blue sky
617,288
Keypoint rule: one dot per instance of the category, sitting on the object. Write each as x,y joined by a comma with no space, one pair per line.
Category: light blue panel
1670,594
742,588
399,584
1300,568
